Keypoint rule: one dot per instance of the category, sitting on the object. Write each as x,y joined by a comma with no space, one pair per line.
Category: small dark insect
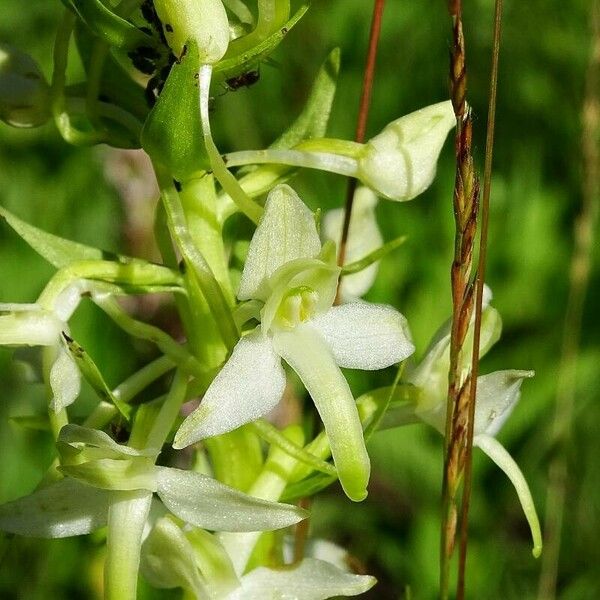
244,80
169,27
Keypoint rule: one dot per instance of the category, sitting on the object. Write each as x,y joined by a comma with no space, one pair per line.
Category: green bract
295,280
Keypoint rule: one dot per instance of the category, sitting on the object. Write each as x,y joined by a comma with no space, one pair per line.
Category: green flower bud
23,89
204,21
400,162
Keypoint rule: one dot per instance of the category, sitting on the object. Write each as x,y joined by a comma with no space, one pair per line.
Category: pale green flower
196,561
291,281
497,395
33,325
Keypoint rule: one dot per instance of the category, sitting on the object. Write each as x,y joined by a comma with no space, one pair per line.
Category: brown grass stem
363,114
480,281
465,204
579,274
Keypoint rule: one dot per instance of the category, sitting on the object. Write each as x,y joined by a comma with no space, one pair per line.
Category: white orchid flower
36,325
497,395
195,560
289,277
363,238
399,163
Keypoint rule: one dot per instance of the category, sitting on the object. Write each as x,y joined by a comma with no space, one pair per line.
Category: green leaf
58,251
92,375
312,121
172,134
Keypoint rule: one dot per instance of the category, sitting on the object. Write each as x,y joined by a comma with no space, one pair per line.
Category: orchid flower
195,560
399,163
291,281
497,395
363,238
109,483
40,325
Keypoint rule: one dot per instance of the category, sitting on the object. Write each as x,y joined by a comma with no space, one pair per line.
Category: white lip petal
365,336
307,352
250,385
287,231
498,453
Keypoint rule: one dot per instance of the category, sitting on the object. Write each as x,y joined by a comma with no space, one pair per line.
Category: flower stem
480,280
465,204
126,519
230,184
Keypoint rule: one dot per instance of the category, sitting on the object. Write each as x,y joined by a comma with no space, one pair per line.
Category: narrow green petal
62,509
207,503
306,351
287,231
76,434
498,453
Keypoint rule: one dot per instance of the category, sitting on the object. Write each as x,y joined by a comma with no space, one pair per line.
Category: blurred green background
535,197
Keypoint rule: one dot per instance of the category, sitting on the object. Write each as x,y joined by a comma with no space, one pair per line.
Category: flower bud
23,89
204,21
400,162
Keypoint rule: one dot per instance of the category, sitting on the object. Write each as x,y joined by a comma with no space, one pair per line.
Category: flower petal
400,162
307,352
498,453
62,509
287,231
29,328
363,238
207,503
167,560
311,579
65,380
497,394
365,336
250,384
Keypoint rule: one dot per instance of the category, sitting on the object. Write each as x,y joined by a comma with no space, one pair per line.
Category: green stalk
195,261
126,519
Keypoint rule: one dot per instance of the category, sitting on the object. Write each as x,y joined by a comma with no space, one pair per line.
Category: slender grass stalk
480,280
466,199
579,275
363,114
